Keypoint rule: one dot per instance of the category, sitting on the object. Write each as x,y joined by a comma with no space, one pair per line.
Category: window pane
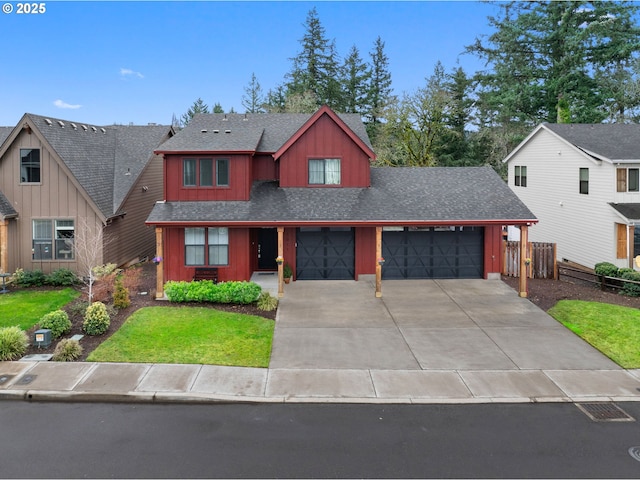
633,180
189,172
206,172
42,244
621,179
194,236
29,165
64,236
218,255
516,176
194,246
584,181
332,171
316,172
222,172
523,176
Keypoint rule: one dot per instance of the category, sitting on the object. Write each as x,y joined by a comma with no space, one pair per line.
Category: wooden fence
542,255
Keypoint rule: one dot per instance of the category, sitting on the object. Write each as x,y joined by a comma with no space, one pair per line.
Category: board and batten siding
56,197
582,226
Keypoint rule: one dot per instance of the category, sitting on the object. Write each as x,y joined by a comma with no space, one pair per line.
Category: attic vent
204,130
103,130
245,117
61,123
225,118
75,127
216,131
227,131
48,121
94,129
84,127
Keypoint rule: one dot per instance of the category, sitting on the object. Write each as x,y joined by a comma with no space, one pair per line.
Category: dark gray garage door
433,253
325,254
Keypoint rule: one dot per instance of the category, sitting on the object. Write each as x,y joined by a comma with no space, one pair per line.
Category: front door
267,248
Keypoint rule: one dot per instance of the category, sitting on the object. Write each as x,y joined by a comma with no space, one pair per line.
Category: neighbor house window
628,180
53,239
520,176
200,172
29,165
324,171
206,246
584,181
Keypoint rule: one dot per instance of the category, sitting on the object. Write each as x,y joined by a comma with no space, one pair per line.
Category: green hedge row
610,270
207,291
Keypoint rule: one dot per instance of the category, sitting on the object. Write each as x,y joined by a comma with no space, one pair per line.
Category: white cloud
60,104
127,72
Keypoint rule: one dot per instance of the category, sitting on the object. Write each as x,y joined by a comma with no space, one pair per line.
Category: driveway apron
422,325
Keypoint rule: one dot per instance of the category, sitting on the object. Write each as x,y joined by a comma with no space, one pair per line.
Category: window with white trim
628,180
53,239
324,171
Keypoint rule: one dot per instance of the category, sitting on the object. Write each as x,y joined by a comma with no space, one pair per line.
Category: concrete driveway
422,325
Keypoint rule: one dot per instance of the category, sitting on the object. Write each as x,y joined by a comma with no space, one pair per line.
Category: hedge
207,291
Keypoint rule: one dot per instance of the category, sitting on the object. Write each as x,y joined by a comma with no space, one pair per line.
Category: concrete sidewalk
424,341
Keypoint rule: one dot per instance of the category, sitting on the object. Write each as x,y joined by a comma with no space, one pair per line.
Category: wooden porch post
160,264
378,266
524,240
280,265
4,243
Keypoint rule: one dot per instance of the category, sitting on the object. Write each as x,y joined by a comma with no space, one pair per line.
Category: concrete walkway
425,341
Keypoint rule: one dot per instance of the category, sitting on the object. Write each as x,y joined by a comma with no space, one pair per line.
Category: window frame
27,180
325,163
202,253
58,245
520,175
583,183
628,179
203,167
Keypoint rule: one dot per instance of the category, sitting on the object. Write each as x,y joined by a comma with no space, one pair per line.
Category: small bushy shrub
266,302
631,289
79,307
62,277
96,319
67,350
207,291
103,270
58,322
607,269
28,278
13,343
121,295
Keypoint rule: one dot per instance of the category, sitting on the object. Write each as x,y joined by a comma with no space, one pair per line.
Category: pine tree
253,100
355,82
379,91
198,107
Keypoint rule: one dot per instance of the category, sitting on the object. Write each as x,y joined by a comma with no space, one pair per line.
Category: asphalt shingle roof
630,211
100,157
6,209
4,133
396,195
254,132
615,141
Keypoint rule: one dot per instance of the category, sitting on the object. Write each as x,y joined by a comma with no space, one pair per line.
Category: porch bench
206,273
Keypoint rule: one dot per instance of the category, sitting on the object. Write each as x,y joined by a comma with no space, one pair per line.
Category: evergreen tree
253,100
379,91
355,82
217,108
198,107
276,100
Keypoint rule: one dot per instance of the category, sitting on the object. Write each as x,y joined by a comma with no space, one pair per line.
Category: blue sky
140,62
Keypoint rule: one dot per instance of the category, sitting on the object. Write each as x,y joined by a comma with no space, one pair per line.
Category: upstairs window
584,181
29,165
520,176
199,172
628,180
324,171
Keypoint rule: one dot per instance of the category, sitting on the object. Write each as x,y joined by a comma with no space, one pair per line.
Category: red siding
324,139
240,174
365,251
492,249
264,168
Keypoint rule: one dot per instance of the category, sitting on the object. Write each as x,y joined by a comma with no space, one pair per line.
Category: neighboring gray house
583,184
57,175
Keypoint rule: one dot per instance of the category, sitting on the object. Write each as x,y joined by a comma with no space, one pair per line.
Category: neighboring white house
583,184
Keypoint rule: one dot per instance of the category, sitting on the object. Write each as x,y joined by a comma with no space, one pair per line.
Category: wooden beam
281,264
378,265
160,264
4,244
524,240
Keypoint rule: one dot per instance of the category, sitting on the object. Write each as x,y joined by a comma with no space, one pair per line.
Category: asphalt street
75,440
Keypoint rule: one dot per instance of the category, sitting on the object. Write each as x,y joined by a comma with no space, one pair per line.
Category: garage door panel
433,254
325,254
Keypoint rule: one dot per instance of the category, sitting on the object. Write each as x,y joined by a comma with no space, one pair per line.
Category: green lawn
612,329
189,335
25,308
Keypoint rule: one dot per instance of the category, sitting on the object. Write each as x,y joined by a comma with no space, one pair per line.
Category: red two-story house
241,190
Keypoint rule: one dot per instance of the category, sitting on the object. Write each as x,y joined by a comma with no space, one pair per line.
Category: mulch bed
142,289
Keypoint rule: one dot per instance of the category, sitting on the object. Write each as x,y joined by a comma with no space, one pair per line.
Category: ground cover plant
612,329
25,308
192,335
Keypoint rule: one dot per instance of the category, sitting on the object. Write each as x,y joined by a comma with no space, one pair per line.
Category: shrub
13,343
62,277
96,319
103,270
67,350
266,302
607,269
121,295
79,307
58,322
286,271
631,289
27,278
207,291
